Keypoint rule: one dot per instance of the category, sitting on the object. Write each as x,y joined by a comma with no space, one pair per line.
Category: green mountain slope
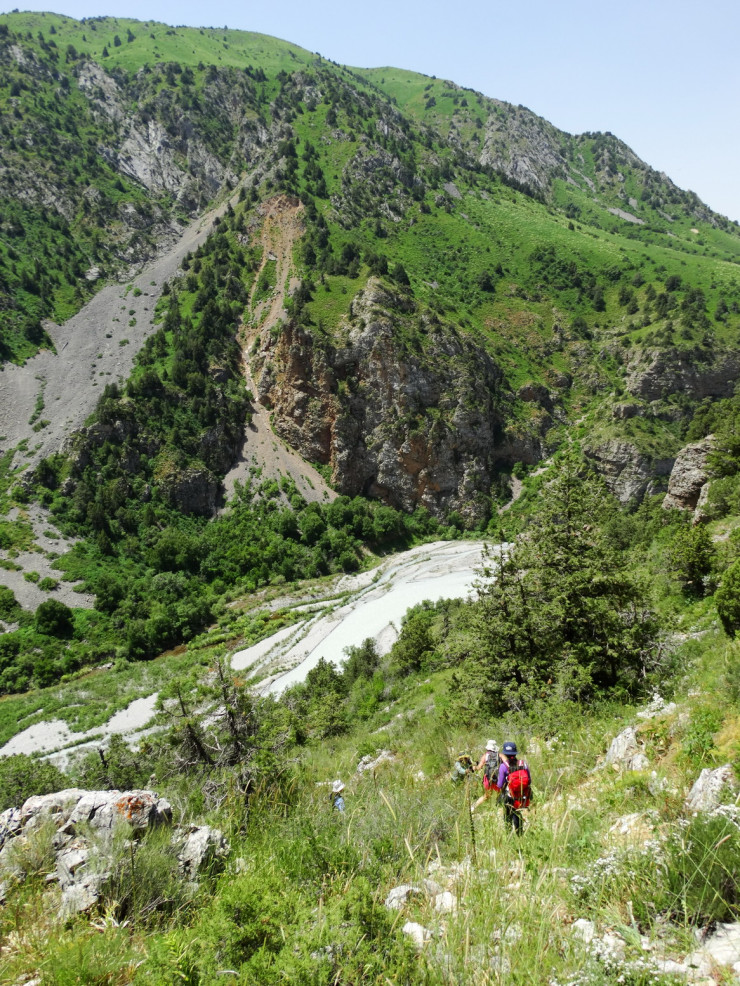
429,288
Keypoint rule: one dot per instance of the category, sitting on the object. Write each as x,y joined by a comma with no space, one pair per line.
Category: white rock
104,810
432,887
398,896
669,967
706,794
417,933
721,948
372,763
72,859
204,848
10,824
625,752
635,824
445,903
583,929
657,707
57,806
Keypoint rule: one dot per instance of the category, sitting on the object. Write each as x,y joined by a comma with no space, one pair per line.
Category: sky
662,75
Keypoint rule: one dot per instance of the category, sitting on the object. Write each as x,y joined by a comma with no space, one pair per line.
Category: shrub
727,600
9,607
21,777
54,619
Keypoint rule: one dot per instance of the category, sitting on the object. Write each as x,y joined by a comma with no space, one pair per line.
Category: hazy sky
664,75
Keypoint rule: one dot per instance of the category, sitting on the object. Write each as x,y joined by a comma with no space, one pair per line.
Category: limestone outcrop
414,425
629,474
80,826
689,476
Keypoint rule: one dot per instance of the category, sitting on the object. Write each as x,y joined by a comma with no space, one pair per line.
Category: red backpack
518,785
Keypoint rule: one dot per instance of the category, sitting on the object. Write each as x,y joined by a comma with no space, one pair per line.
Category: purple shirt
503,772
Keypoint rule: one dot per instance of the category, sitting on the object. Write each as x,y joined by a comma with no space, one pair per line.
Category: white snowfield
370,604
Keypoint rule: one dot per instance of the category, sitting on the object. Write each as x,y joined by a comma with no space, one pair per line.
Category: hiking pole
470,818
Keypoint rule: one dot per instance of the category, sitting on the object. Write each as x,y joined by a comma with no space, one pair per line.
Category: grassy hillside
488,230
302,896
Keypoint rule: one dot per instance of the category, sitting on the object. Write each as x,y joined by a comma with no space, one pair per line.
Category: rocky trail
262,448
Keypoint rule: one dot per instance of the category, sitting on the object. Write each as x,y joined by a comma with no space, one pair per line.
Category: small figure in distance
514,782
336,795
489,764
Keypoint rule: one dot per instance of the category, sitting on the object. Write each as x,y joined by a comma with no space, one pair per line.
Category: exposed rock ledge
628,473
689,480
411,424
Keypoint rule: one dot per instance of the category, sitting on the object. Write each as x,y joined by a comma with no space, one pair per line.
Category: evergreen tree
561,618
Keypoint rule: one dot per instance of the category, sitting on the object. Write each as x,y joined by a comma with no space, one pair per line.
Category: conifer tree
562,617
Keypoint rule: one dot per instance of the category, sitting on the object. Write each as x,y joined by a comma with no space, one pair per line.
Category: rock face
689,476
628,474
413,425
193,491
661,373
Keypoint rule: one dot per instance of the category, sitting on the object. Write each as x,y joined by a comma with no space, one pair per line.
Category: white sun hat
337,787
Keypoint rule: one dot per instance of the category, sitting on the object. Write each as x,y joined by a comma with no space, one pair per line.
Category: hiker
336,796
488,763
514,783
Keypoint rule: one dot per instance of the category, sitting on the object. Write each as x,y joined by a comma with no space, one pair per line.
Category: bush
727,600
21,777
9,608
54,619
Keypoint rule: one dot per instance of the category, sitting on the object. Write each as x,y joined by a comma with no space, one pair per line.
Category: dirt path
94,347
262,449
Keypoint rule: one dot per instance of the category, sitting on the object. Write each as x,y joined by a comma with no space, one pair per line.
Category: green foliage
22,777
54,619
703,872
727,600
691,554
9,608
563,617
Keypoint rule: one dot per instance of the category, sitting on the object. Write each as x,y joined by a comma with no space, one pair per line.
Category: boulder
103,810
445,903
57,806
418,934
204,848
706,794
689,476
625,753
398,896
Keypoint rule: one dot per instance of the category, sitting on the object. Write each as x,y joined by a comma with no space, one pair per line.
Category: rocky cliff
415,424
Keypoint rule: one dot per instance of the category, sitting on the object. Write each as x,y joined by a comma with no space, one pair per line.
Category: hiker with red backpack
515,785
